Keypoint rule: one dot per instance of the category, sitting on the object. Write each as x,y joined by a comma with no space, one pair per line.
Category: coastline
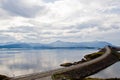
3,77
47,75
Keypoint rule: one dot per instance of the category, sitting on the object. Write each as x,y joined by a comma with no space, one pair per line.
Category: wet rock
66,64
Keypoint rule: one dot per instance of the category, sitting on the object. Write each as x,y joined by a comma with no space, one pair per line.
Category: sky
44,21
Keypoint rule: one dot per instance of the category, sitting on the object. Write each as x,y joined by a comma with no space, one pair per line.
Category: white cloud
50,20
24,8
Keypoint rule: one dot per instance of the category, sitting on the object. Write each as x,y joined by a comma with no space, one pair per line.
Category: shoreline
4,77
60,73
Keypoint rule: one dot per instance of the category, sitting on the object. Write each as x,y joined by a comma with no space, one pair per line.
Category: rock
83,60
75,63
3,77
66,64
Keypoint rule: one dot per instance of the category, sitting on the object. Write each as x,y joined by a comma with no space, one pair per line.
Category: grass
87,57
93,55
57,77
101,79
61,77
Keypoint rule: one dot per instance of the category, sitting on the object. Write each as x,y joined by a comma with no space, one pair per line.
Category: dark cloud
109,28
88,24
99,24
77,19
50,0
115,26
113,11
20,29
74,31
6,38
16,8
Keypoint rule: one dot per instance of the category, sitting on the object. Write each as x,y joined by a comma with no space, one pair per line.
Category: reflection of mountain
57,45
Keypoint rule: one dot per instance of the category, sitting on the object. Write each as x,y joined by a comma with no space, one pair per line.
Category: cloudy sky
66,20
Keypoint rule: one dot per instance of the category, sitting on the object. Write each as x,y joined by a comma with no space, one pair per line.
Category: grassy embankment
87,57
101,79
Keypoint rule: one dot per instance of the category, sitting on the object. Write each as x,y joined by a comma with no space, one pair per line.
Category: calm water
20,62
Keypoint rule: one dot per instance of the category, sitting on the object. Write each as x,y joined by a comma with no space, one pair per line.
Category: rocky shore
86,58
3,77
91,64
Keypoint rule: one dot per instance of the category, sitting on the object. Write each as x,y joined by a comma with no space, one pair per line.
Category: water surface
20,62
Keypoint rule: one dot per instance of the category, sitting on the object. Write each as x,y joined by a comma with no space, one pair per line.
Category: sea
16,62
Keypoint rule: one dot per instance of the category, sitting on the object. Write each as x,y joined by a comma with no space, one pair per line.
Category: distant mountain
95,44
57,45
23,45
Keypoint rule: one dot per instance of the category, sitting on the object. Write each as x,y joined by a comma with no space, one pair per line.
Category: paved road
45,78
72,69
38,76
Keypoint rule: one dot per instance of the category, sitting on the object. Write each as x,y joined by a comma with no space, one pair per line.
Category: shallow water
20,62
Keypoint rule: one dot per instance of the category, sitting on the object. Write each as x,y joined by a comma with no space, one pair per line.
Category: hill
57,45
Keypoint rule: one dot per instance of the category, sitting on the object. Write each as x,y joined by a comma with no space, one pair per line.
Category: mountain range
56,45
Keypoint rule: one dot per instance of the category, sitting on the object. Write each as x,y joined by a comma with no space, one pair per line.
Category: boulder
66,64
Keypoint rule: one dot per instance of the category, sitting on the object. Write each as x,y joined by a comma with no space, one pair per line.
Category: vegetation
93,55
101,79
66,64
57,77
86,58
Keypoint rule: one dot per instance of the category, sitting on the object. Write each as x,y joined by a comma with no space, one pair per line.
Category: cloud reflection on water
25,62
